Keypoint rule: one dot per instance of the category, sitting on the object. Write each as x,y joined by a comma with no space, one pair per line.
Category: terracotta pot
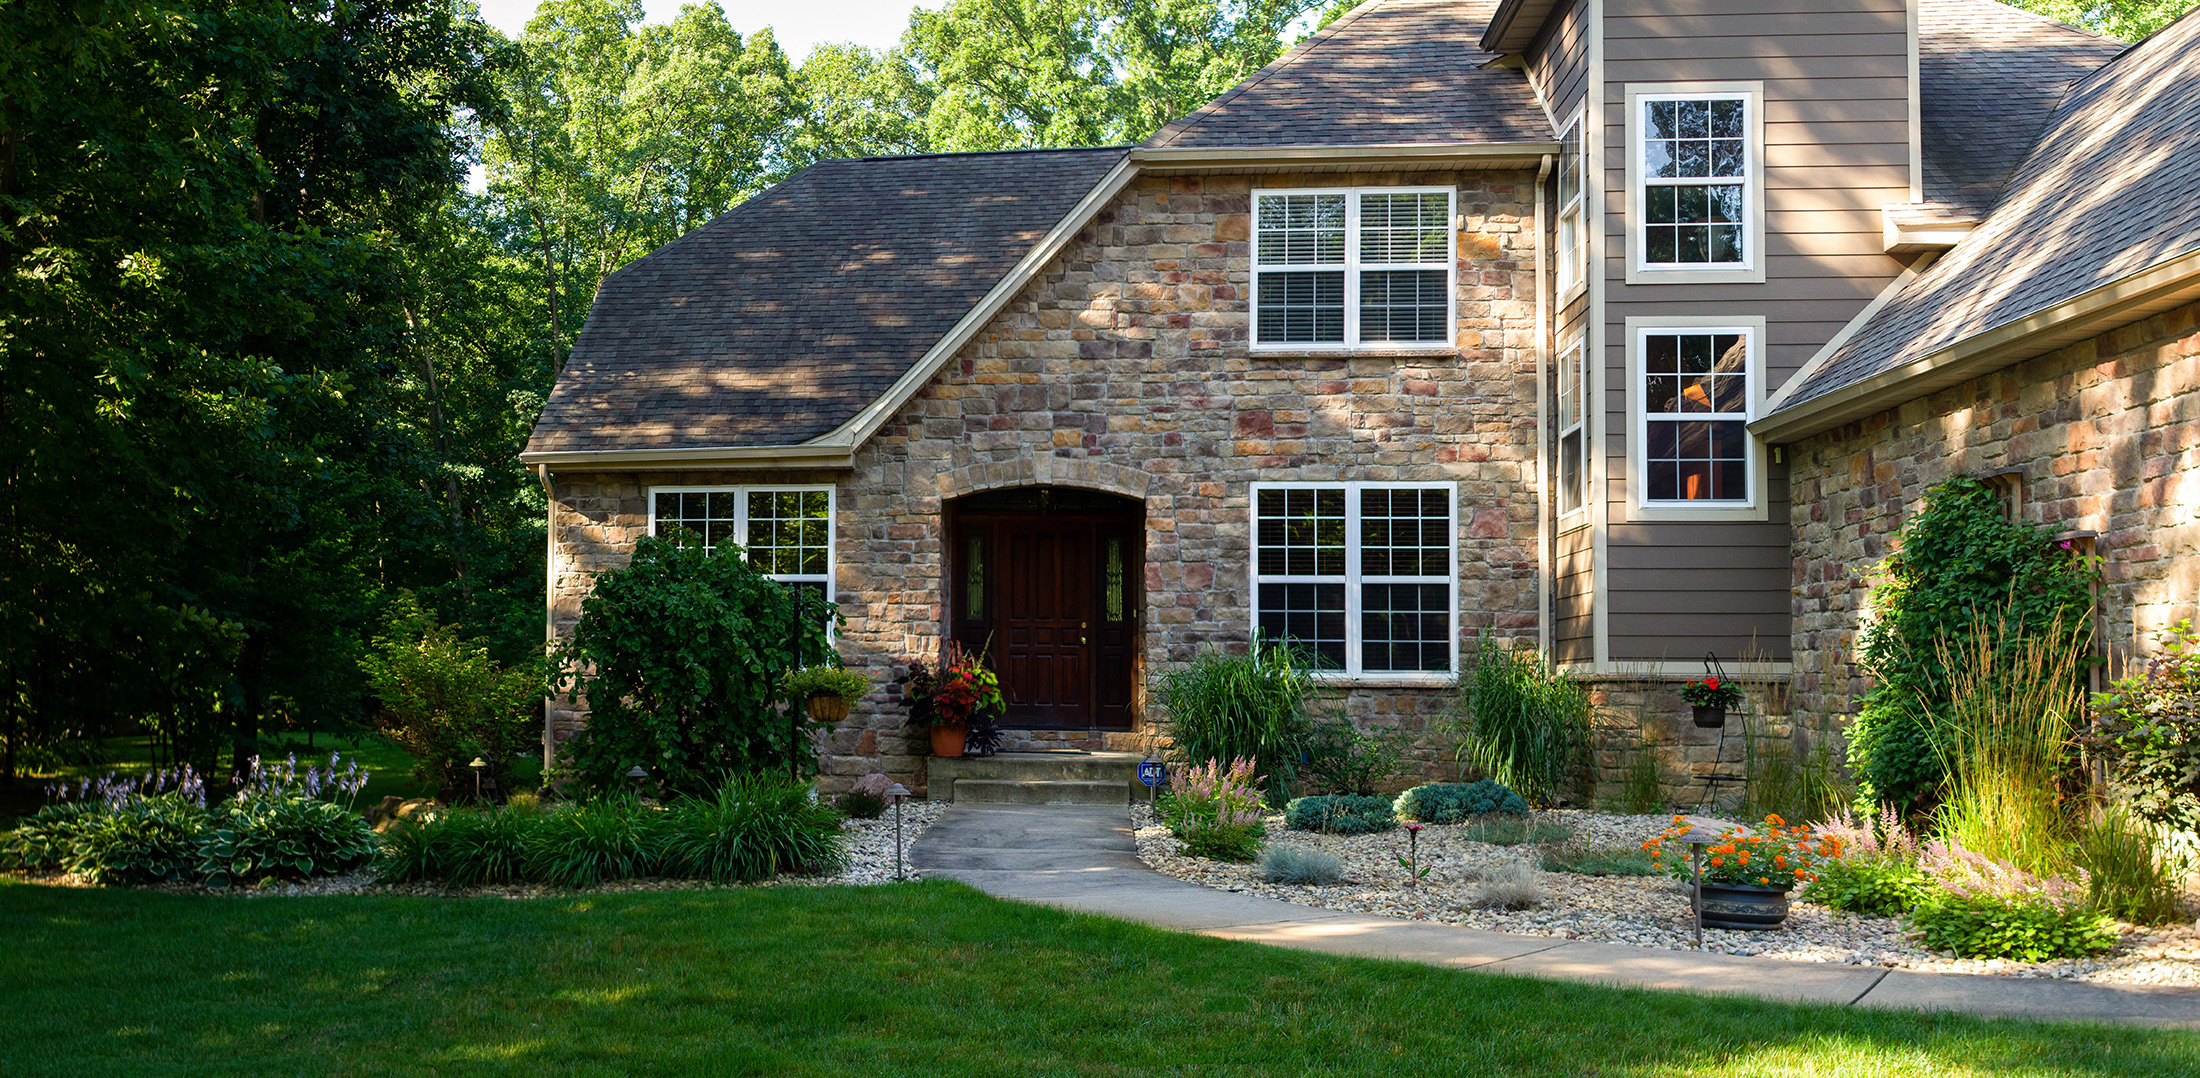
1710,718
1734,905
828,707
948,740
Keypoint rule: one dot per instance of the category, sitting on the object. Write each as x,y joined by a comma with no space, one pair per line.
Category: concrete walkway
1083,858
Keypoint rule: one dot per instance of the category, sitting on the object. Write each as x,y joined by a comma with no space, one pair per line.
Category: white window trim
1752,329
1352,267
1352,579
1573,272
741,524
1575,349
1751,270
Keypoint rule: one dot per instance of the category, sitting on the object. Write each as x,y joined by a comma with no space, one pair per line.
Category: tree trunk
443,451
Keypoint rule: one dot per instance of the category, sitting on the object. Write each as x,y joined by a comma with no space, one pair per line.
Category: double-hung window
1352,267
1697,396
1573,429
1572,251
1362,575
787,532
1696,182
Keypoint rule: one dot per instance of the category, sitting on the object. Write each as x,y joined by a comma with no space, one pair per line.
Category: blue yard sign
1152,772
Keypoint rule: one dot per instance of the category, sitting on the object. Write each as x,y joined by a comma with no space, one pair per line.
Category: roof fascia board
1811,366
864,424
2119,302
740,456
1514,24
1465,154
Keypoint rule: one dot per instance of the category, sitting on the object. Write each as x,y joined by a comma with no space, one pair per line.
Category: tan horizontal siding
1559,60
1641,638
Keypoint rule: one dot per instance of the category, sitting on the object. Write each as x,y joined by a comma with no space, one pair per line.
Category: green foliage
679,655
614,837
1342,758
447,702
1641,791
42,840
460,848
755,827
2127,20
1340,814
2147,726
1996,926
143,840
1523,723
1287,863
282,834
1216,811
1225,706
862,805
1502,829
826,681
1881,887
2006,743
2128,877
1457,802
1784,781
1585,860
1960,563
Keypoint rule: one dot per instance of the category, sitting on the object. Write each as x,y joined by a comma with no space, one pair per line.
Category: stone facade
1125,367
2101,441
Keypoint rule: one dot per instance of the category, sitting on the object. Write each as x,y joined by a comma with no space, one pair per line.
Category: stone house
1626,329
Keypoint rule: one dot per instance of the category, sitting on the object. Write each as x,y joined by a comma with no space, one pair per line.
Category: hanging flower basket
1710,718
1710,698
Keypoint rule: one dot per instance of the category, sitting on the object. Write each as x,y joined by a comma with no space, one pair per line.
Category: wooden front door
1046,582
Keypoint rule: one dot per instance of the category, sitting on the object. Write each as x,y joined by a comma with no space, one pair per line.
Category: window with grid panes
1351,267
1573,429
786,532
1695,179
1695,402
1359,574
1572,260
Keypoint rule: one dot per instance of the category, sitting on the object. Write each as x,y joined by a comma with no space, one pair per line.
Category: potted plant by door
826,690
1748,872
1710,698
951,697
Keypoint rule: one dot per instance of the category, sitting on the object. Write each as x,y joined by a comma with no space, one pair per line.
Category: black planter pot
1710,718
1733,905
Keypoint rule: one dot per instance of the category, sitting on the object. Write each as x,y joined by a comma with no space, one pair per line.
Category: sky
800,26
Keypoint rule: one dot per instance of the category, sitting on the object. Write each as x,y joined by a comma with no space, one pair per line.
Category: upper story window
1351,267
786,531
1697,392
1573,429
1572,251
1363,575
1699,208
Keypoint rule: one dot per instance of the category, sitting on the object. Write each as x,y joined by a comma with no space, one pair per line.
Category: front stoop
1035,778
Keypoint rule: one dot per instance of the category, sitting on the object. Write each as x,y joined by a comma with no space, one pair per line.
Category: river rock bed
1645,911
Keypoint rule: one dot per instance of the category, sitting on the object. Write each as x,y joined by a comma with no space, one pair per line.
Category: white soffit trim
740,456
1431,154
2120,302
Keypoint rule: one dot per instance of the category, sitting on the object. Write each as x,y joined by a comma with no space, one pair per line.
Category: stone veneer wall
2106,435
1647,715
1124,367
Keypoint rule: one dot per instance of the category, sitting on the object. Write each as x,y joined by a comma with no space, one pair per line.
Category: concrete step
1039,792
1112,767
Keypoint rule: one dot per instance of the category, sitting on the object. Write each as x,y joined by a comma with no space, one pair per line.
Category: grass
927,979
1598,860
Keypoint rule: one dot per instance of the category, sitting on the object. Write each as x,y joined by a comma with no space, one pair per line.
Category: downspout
1542,419
549,592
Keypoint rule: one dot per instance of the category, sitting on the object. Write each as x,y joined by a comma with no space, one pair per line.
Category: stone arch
1046,470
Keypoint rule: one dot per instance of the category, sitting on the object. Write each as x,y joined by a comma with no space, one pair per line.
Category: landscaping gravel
1646,911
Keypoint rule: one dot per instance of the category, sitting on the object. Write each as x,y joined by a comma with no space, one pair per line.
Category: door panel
1043,622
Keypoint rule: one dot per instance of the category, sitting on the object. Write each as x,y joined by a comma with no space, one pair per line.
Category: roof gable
1989,77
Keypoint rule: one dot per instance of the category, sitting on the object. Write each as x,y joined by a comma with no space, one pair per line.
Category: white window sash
1638,143
1752,392
1353,579
1574,355
1572,257
1352,268
740,496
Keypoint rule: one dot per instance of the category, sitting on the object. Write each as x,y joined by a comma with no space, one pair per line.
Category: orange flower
1779,861
1763,882
1717,861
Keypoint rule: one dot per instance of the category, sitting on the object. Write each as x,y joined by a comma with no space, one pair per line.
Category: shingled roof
1989,77
781,319
2112,189
1387,72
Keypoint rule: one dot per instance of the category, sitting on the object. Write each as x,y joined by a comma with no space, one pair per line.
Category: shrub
1286,863
1514,885
611,838
1872,886
1960,563
2147,726
678,655
1223,707
1216,812
446,702
1499,829
1641,793
2130,879
461,848
1984,908
283,834
143,840
1523,723
754,828
1456,802
866,800
1597,860
1340,814
1342,758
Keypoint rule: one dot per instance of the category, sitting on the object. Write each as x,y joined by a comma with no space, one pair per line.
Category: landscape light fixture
637,774
477,765
899,793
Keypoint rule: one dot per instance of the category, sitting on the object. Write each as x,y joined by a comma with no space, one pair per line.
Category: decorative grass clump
1340,814
1458,802
1284,863
1523,723
754,829
1250,706
1598,860
1505,830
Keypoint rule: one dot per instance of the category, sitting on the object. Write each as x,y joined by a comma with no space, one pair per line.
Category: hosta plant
284,835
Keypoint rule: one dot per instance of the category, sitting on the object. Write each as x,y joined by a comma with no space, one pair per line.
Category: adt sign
1152,772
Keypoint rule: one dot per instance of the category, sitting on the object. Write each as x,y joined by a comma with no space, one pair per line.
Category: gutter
2121,302
1165,159
1545,556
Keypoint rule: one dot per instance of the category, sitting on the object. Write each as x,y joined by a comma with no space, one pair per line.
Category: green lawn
926,979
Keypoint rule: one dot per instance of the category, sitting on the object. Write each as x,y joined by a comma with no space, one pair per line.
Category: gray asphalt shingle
1989,76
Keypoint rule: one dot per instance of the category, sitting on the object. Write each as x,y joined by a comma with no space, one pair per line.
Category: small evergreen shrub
1286,863
1456,802
1340,814
756,827
1216,811
1502,829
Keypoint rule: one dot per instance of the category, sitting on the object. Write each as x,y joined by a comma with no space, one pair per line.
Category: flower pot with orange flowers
1749,871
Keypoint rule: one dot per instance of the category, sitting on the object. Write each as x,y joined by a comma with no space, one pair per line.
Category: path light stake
637,774
899,793
1413,844
1699,835
477,765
